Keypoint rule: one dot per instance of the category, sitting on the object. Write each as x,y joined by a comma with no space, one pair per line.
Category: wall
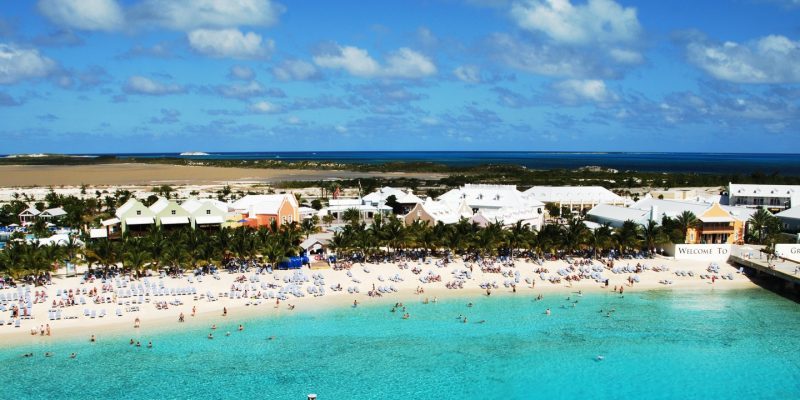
788,251
709,252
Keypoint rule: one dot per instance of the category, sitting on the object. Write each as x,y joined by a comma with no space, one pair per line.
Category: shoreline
154,322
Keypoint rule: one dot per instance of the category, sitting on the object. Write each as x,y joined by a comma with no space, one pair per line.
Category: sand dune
145,174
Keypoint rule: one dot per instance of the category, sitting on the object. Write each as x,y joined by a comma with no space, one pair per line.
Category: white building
406,199
771,197
433,212
576,199
206,213
53,213
368,211
790,219
649,208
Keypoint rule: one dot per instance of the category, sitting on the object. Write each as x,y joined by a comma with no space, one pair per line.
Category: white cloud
340,128
295,70
468,73
142,85
770,59
264,107
101,15
597,21
187,15
229,43
577,91
624,56
241,90
403,63
18,64
242,72
293,120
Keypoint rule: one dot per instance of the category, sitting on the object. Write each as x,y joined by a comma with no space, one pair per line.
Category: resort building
716,223
52,214
496,203
432,212
169,214
367,211
264,210
772,197
134,217
790,219
405,199
576,199
28,215
207,213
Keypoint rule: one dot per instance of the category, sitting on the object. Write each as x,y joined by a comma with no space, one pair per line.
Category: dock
754,260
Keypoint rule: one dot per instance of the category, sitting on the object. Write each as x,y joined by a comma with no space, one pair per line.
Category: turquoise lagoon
655,345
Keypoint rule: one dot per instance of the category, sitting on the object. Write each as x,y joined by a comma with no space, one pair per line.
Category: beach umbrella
241,221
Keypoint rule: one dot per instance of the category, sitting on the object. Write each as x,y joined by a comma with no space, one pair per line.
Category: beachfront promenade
750,256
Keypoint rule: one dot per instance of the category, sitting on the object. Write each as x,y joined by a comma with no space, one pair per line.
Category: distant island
194,153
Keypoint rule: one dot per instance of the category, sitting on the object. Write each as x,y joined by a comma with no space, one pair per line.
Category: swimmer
227,333
406,316
213,326
149,345
483,321
271,338
92,339
210,335
469,304
241,328
465,320
599,358
48,354
547,311
73,355
27,355
355,303
132,341
138,344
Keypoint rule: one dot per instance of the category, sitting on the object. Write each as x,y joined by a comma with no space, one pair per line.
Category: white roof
139,220
112,221
489,196
445,212
127,206
191,205
31,211
54,212
307,211
403,197
345,202
617,213
793,213
159,205
752,190
311,242
574,194
97,233
262,203
510,215
60,240
174,220
716,219
213,219
674,208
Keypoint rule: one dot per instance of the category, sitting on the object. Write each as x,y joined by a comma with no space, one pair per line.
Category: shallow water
656,345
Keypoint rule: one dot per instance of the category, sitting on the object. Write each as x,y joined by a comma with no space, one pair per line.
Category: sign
719,252
788,251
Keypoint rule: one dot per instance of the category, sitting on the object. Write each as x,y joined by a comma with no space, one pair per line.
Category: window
138,213
173,212
208,212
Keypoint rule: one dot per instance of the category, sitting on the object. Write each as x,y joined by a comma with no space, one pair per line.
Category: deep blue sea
656,345
785,164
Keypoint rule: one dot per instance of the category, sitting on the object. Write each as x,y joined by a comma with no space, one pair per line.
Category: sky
123,76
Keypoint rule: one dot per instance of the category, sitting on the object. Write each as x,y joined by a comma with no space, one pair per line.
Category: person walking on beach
194,310
47,330
180,318
136,322
224,311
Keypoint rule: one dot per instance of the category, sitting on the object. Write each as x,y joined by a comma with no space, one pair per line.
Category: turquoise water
656,345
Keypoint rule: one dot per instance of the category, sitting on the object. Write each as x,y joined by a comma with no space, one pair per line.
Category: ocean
654,345
711,163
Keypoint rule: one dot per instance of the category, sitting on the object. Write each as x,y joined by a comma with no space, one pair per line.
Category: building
790,219
207,213
133,217
367,211
717,223
168,214
52,214
497,203
576,199
28,215
405,199
432,212
772,197
266,209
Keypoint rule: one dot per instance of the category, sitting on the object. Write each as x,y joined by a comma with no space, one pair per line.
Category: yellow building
716,226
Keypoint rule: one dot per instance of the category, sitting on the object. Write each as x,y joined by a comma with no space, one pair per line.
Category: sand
158,174
112,327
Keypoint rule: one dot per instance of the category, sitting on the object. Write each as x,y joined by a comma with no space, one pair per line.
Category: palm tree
351,216
652,235
686,221
627,235
760,223
601,238
517,235
136,258
575,235
309,226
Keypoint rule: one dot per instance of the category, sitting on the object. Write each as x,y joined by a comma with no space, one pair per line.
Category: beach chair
58,314
17,323
94,314
119,312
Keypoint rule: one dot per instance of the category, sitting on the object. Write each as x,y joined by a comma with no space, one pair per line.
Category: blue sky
93,76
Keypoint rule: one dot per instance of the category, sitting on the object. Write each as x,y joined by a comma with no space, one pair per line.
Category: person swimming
547,311
48,354
241,328
73,355
92,339
210,335
149,345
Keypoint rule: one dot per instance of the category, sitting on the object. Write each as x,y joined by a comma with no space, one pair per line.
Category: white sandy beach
239,309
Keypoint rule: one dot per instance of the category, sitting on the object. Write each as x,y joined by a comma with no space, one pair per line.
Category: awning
112,221
716,219
139,220
174,220
98,233
215,219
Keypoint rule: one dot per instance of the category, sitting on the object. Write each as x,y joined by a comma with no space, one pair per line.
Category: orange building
716,226
264,210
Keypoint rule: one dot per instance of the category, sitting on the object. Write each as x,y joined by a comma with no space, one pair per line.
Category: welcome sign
788,251
711,252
